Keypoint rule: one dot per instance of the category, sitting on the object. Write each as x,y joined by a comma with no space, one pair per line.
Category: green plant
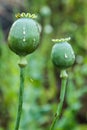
67,18
63,57
23,39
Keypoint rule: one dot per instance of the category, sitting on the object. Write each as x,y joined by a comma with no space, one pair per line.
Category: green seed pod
62,54
24,35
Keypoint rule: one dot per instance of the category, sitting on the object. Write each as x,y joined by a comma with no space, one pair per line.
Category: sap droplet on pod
24,39
24,32
66,55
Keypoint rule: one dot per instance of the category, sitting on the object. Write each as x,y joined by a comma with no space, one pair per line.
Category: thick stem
20,98
63,77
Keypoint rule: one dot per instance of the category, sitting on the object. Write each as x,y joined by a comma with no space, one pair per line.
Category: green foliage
42,83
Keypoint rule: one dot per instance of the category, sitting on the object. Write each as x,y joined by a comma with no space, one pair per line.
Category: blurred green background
57,19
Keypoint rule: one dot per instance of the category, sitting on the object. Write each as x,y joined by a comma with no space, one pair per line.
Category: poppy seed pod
45,11
24,35
62,54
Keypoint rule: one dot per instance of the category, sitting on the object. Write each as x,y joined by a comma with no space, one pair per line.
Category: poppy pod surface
62,54
24,35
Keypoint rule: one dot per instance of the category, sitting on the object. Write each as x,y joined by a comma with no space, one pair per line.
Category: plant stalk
63,76
20,98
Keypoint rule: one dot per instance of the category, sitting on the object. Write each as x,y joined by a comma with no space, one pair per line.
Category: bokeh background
57,19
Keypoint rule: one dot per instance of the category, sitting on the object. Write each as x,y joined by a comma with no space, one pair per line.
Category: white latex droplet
24,39
66,55
24,32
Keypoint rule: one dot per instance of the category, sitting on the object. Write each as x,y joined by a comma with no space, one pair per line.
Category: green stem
20,98
63,77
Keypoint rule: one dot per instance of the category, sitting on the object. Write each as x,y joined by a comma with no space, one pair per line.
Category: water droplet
24,39
24,32
66,55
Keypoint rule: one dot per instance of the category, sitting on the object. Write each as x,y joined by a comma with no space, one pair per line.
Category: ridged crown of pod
62,53
24,34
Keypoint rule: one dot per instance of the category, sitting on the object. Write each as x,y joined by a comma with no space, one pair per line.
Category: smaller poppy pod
62,54
45,11
24,35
